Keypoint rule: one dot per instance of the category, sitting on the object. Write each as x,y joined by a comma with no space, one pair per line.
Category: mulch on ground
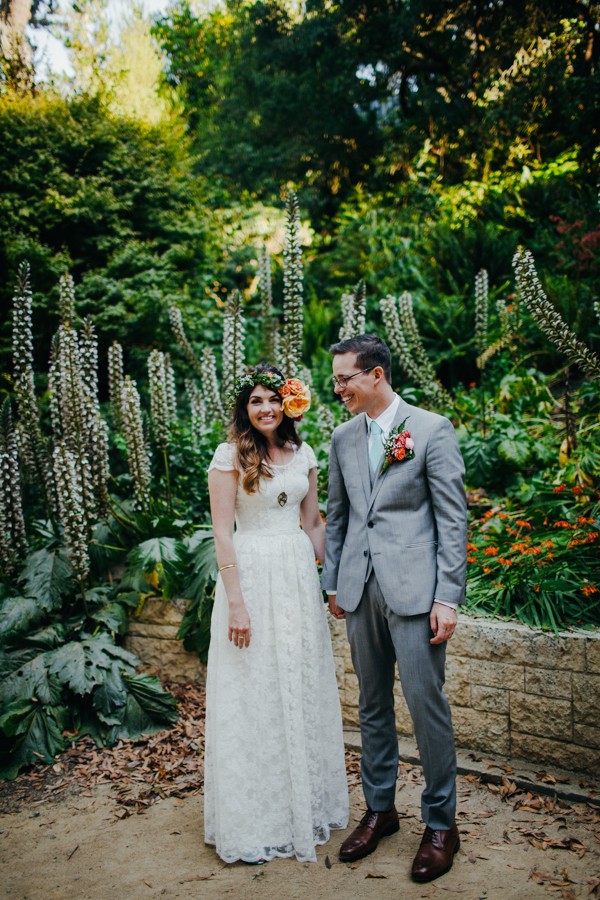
166,764
169,764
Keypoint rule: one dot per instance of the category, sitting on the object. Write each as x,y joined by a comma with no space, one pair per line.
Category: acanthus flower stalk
115,382
269,322
67,474
354,308
13,539
198,410
548,319
210,385
176,320
32,446
137,453
292,334
160,411
233,342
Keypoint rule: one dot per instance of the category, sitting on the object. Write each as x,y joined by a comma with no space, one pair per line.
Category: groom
395,570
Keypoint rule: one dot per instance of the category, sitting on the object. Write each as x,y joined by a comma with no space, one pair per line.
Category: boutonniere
398,446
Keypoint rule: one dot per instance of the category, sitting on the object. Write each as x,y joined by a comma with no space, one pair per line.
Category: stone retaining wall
513,691
152,636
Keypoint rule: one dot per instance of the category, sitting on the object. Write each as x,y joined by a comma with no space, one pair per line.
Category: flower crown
295,395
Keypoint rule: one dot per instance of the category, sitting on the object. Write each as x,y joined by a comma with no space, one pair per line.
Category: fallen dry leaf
548,778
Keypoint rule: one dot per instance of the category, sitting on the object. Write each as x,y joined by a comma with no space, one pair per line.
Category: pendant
282,498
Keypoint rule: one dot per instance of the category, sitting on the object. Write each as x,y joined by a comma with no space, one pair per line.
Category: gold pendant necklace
279,472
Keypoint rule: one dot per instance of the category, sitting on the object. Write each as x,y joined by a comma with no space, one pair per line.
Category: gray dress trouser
378,639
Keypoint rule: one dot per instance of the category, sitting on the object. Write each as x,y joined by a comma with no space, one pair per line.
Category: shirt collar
386,418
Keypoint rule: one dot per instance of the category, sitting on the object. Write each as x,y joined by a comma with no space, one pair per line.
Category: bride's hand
239,626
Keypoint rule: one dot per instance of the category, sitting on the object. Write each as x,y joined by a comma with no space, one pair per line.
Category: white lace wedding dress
275,779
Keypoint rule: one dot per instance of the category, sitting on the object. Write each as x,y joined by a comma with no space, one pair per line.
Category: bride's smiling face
264,410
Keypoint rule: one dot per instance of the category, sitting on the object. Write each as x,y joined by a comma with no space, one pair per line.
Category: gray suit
396,542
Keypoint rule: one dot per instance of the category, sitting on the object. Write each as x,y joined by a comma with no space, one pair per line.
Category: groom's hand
443,622
336,611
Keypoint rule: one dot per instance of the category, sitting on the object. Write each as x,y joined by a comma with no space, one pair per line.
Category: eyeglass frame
342,382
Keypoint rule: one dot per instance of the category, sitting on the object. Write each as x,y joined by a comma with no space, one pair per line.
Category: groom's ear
378,373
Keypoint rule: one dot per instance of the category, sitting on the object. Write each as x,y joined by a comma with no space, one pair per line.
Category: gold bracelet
228,566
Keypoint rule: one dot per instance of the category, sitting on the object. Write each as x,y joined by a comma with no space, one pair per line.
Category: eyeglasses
342,380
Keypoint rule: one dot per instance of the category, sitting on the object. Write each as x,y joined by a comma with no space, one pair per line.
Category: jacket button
369,524
365,552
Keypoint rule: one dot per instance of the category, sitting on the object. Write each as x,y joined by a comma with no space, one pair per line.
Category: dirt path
94,827
80,848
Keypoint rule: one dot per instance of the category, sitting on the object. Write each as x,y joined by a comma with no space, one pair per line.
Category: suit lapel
362,453
401,414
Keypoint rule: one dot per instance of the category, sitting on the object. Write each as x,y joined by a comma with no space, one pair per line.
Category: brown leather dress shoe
436,854
365,837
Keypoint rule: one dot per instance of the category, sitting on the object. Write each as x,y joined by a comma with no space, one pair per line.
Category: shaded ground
128,821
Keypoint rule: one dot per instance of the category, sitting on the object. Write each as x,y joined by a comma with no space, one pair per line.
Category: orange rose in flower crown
296,398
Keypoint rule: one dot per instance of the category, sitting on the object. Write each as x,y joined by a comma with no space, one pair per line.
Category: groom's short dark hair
370,351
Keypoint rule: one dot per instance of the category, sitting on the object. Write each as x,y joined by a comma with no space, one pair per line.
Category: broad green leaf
515,452
157,562
201,564
32,679
110,696
114,617
480,458
32,733
47,576
18,649
19,614
83,664
156,551
148,708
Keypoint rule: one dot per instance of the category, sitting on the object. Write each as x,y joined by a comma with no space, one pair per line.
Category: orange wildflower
523,523
504,561
589,589
491,551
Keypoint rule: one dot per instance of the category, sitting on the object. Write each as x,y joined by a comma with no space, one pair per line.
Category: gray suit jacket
410,526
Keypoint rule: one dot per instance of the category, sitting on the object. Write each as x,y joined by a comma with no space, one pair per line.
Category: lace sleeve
224,458
310,456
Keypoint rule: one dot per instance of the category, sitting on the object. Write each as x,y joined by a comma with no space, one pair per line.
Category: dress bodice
274,508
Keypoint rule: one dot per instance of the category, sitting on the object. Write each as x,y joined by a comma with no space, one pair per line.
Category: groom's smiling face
358,394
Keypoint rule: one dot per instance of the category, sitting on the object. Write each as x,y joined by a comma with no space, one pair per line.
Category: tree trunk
15,50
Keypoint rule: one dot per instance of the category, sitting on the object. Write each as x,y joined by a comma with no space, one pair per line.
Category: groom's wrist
453,606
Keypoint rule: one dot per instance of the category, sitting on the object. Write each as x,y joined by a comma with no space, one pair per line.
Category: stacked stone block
513,691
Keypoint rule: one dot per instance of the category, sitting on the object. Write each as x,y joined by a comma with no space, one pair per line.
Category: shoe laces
431,836
368,817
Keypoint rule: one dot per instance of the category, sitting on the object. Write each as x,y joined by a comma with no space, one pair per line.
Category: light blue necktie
376,446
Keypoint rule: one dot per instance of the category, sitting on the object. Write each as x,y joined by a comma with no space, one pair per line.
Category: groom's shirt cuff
446,603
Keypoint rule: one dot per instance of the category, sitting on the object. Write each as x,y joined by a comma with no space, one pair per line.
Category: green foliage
61,670
111,199
535,557
200,586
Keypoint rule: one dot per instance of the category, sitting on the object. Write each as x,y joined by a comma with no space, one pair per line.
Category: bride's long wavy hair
251,445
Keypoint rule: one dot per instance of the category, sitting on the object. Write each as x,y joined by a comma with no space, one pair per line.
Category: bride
275,780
